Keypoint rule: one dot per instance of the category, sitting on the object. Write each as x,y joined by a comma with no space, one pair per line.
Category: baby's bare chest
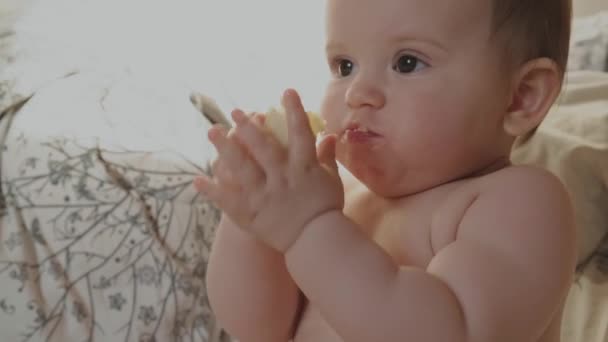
404,236
411,233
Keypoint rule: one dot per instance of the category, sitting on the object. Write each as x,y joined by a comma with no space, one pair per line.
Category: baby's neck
355,187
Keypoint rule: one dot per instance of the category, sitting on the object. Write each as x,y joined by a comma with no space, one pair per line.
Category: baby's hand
267,189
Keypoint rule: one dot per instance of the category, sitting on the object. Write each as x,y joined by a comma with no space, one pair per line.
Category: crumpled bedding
586,313
573,144
102,236
589,43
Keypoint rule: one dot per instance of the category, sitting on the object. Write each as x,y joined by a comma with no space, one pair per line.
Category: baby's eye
406,64
344,67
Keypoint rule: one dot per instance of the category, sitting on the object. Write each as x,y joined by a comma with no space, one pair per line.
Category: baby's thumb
326,152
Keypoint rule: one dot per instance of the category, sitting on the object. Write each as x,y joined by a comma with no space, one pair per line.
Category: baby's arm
250,291
502,279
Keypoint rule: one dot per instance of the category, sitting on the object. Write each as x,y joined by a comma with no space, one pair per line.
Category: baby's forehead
379,17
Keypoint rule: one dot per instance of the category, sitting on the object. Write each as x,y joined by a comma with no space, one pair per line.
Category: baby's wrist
320,219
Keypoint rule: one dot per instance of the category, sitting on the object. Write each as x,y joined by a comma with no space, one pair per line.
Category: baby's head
526,30
427,92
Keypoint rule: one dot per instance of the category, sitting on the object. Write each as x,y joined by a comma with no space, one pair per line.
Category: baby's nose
365,92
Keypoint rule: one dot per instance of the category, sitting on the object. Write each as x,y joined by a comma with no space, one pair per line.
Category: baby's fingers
262,146
222,197
235,162
301,138
222,174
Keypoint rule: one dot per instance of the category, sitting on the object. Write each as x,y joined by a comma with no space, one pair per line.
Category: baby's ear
535,88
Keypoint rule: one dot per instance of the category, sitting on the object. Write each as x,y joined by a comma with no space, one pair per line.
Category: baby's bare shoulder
522,177
515,237
527,200
521,207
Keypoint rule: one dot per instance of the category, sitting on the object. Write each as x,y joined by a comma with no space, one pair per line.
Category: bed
103,238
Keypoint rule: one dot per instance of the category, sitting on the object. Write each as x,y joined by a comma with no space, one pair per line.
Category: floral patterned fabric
97,245
102,236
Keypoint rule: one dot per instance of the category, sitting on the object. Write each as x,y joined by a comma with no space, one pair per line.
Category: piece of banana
276,122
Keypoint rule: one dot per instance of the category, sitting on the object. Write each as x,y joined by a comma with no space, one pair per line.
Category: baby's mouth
355,133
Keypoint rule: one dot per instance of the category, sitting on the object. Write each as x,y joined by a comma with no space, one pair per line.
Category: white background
243,53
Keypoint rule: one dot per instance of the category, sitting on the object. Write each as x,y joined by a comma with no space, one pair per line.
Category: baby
432,235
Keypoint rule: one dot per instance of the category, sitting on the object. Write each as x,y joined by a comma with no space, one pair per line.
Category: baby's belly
313,328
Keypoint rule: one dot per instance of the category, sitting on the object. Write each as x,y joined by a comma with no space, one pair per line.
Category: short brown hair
533,29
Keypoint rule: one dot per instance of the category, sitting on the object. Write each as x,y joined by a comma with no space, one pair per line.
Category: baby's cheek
332,124
332,113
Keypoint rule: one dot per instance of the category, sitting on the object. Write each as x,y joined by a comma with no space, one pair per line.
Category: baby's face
418,93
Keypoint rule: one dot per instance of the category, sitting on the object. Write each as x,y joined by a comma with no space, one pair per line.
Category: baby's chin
398,184
381,184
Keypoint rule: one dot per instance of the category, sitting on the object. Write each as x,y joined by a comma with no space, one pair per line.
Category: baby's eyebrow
427,41
333,47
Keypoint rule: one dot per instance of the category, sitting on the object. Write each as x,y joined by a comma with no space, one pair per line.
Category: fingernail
259,119
328,136
239,117
288,96
213,133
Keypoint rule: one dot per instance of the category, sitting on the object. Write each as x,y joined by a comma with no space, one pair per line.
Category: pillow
588,7
589,43
572,142
586,311
101,233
